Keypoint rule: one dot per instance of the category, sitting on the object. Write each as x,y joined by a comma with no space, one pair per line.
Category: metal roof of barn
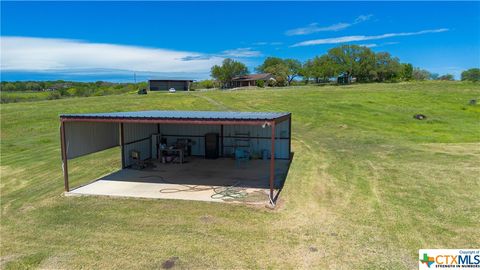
181,115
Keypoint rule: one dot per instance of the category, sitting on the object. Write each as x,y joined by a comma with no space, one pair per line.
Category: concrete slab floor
219,180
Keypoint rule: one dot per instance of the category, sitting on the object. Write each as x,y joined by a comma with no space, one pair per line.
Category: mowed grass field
368,186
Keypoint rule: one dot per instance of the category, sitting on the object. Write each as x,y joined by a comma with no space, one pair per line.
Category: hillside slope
368,186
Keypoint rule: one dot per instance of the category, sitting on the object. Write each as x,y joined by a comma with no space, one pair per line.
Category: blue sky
90,41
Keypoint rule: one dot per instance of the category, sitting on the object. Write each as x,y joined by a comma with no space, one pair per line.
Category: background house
250,80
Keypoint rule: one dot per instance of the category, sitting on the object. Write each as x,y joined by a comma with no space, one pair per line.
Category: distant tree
294,68
260,83
277,67
407,71
32,86
324,68
367,65
63,92
284,70
472,74
387,68
227,71
434,76
356,61
8,87
420,74
343,58
205,84
446,77
306,71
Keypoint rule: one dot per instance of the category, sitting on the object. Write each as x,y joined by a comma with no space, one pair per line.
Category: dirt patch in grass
170,263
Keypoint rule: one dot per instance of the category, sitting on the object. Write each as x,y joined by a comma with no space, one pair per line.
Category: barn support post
289,137
221,140
122,145
64,156
272,162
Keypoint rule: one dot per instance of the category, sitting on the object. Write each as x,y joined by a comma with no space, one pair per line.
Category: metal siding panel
256,144
191,132
194,130
82,138
134,132
162,85
178,85
167,84
158,86
143,147
281,129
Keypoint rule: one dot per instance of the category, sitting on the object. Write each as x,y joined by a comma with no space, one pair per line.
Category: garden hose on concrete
232,192
229,193
188,188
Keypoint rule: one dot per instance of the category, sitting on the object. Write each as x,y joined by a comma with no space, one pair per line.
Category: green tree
446,77
407,71
434,76
277,67
472,74
8,87
227,71
356,61
294,68
284,70
204,84
32,86
306,71
387,68
324,67
420,74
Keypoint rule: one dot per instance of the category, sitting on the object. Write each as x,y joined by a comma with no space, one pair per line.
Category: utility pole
135,77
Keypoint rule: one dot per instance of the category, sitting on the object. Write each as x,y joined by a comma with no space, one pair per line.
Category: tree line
40,90
70,88
351,61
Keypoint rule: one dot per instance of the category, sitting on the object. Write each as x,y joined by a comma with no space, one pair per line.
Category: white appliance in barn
156,142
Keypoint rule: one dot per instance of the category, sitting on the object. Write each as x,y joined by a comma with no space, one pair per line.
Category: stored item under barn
186,150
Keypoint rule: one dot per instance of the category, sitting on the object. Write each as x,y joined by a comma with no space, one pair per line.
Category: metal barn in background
264,136
165,84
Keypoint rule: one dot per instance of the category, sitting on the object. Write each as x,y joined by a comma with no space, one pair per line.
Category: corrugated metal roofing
196,115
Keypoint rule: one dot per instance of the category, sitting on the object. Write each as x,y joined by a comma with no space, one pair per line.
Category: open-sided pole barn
258,132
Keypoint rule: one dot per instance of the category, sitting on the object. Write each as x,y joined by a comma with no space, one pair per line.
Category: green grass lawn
368,186
22,96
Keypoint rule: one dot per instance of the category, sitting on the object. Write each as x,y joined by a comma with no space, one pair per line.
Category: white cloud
373,45
264,43
363,18
241,53
314,27
369,45
51,54
363,38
